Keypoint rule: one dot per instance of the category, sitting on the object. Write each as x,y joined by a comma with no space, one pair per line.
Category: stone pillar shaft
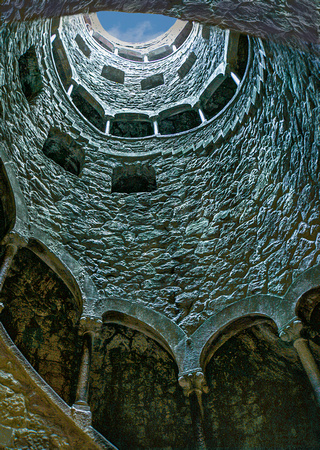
292,333
83,380
108,127
196,416
70,89
10,252
194,385
81,409
309,365
155,127
202,117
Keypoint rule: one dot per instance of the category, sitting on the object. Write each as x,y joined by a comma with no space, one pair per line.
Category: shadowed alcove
135,398
134,178
259,395
7,204
42,318
30,75
65,151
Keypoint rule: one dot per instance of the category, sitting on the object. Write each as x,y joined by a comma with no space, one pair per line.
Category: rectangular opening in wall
176,123
160,53
152,81
131,128
113,74
83,46
133,179
186,66
62,63
89,107
30,76
63,150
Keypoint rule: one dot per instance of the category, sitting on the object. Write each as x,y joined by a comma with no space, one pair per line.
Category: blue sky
134,27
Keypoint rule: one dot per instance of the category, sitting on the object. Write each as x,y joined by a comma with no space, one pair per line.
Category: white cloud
141,32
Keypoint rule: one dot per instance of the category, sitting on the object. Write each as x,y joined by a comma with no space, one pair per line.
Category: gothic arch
14,208
41,315
7,204
66,267
134,395
58,266
48,399
253,374
152,323
265,307
308,280
229,330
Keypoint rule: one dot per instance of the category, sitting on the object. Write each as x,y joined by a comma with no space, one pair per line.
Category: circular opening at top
133,27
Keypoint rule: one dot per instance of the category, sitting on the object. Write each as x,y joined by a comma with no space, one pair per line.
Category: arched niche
234,327
42,318
60,269
308,308
134,396
7,203
121,318
259,395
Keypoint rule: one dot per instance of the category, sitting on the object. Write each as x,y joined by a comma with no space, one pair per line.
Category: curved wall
290,21
225,222
129,95
231,221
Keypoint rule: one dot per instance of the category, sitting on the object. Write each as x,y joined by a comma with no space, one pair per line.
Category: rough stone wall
135,399
236,219
295,21
20,425
29,420
259,395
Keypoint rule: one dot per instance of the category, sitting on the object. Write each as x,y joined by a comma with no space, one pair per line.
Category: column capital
90,324
14,239
292,331
193,382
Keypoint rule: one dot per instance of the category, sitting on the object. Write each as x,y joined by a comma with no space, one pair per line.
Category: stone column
108,127
10,251
197,106
235,78
69,92
292,333
83,380
194,385
155,127
81,409
202,116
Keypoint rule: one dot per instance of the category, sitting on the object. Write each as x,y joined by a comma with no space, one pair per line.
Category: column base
81,413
